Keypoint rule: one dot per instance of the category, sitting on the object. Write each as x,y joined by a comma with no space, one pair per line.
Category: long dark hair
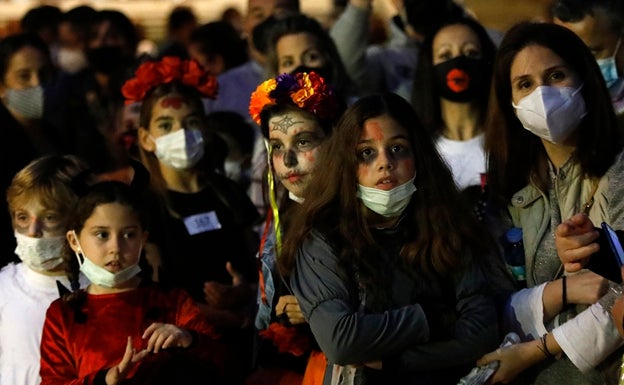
516,156
91,197
441,231
13,43
337,75
425,97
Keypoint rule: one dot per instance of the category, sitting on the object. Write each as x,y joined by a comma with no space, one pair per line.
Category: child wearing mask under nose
40,199
122,328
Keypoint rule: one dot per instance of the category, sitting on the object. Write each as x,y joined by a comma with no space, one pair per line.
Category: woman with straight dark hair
554,151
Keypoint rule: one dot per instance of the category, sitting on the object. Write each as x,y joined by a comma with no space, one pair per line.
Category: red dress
79,350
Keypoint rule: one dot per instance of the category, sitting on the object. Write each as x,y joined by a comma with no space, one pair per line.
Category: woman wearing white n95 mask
554,151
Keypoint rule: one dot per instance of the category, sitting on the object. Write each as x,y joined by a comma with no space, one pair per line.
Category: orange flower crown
308,91
170,68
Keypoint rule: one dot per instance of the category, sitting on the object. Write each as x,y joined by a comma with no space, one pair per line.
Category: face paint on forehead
175,102
284,124
376,131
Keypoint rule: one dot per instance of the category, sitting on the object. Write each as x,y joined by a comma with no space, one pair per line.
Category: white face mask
390,203
552,113
233,169
181,149
99,275
72,60
608,67
39,253
28,103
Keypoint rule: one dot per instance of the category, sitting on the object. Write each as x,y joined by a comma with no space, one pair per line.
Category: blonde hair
47,179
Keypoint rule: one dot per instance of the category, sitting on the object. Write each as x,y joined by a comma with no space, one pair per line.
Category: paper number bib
201,223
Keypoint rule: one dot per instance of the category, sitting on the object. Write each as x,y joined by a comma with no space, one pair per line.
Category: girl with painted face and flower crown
296,113
203,221
40,201
122,328
387,263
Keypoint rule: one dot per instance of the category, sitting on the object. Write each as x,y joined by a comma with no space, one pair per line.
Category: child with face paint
451,88
122,328
384,258
40,201
553,145
203,221
294,130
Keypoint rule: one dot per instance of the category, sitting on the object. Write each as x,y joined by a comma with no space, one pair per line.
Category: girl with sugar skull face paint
295,130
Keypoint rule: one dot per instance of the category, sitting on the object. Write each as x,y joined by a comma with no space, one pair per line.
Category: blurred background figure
25,66
600,24
238,134
74,31
44,21
181,22
233,16
217,47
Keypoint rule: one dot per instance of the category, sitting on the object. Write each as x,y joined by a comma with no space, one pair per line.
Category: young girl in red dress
123,328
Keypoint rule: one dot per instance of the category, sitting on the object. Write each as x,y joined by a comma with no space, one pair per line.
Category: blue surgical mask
181,149
608,66
27,103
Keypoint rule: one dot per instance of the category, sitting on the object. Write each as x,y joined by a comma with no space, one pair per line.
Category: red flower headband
170,68
307,91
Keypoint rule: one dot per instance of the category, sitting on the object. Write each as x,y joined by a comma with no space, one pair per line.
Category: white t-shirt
465,158
24,299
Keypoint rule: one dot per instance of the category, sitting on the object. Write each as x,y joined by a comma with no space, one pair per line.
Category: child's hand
288,306
116,374
164,336
229,297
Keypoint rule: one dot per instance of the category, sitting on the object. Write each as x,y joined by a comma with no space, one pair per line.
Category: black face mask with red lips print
459,79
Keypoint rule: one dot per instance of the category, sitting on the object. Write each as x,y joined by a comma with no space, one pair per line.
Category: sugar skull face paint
295,140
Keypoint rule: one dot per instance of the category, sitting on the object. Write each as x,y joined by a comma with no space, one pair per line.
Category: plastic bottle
514,255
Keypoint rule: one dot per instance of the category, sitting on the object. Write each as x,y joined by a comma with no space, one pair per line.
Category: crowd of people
267,199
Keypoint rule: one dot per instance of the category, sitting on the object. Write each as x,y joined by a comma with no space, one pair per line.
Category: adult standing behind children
383,208
553,145
40,201
24,68
203,224
451,89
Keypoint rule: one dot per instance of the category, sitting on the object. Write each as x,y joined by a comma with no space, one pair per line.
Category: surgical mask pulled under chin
27,103
552,113
608,67
181,149
99,275
389,203
39,253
